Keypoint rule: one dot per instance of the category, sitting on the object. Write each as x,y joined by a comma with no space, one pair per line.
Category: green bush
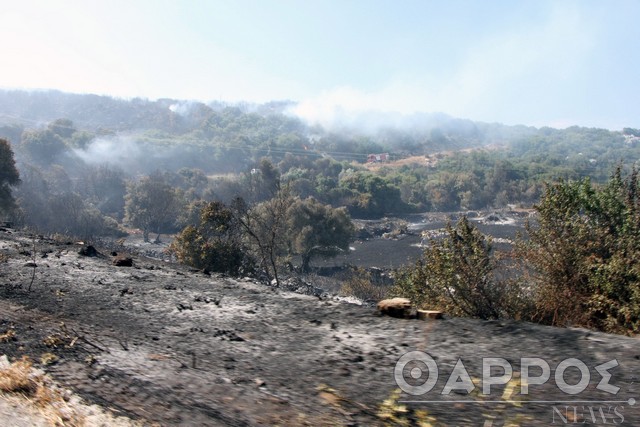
584,255
214,244
457,275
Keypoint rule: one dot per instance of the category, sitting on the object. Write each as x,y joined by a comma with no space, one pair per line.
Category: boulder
122,261
88,251
397,307
429,314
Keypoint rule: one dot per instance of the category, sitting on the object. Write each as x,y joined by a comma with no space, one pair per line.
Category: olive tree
315,230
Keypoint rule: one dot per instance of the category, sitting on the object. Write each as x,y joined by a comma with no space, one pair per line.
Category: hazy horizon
535,63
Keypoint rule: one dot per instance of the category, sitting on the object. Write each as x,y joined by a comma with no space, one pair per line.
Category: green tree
265,228
44,146
72,216
62,127
152,205
263,181
215,243
33,199
105,187
377,196
9,177
318,230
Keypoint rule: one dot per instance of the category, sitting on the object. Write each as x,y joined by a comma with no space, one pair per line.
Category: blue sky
542,63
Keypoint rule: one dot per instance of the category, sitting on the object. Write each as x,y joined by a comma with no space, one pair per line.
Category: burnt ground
172,346
373,248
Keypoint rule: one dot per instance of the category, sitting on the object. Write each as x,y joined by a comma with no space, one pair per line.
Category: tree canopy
9,177
152,205
318,230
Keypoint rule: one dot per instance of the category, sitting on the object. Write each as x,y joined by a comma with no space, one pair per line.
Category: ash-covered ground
391,243
165,344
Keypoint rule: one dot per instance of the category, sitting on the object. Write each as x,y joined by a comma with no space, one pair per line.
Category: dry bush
9,335
360,285
17,378
20,378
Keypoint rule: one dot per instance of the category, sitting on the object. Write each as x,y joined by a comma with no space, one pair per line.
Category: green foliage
43,147
48,203
9,177
69,214
457,275
215,243
373,196
264,226
152,205
584,254
62,127
105,188
317,230
285,225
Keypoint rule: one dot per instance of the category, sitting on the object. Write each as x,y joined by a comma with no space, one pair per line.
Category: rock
123,262
397,307
4,362
429,314
181,307
88,251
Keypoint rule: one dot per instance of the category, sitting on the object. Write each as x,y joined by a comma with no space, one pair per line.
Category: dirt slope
165,344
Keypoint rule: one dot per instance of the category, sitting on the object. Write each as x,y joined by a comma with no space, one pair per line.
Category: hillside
165,344
88,148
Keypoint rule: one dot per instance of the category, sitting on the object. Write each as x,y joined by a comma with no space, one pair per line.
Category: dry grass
48,402
9,335
17,378
21,378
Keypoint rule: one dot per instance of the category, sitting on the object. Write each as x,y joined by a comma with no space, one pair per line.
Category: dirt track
173,346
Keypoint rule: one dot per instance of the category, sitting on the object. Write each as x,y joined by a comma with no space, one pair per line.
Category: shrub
457,275
359,284
584,255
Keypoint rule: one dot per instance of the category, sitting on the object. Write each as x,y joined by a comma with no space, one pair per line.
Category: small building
378,158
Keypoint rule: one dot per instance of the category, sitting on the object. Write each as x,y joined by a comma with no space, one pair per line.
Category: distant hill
242,133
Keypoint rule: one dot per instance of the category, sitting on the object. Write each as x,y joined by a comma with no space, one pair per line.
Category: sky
534,62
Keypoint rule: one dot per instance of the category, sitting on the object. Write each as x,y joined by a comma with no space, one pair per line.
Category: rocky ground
164,344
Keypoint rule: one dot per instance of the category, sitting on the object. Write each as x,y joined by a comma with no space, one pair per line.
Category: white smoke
123,151
182,108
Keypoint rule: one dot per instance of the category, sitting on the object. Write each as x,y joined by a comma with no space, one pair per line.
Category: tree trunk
306,261
145,235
